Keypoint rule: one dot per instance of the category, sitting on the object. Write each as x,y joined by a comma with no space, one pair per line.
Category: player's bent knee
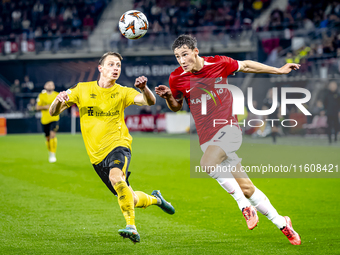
135,198
207,165
116,175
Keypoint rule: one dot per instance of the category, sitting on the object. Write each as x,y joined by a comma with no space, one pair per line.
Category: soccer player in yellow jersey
107,140
50,123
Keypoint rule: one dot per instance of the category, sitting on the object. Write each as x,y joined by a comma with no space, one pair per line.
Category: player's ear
100,68
196,51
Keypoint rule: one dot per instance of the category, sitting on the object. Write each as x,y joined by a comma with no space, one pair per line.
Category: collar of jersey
107,89
205,64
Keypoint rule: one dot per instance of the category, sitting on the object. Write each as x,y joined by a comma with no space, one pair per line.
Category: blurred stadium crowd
174,17
305,14
177,17
47,25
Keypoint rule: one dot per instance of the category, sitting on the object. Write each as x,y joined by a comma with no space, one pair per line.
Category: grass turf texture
65,208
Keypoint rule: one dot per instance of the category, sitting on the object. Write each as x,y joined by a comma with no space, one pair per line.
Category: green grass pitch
64,208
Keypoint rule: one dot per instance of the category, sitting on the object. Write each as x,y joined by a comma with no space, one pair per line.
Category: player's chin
114,77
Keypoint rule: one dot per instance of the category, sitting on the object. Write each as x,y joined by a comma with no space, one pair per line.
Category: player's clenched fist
163,91
62,97
287,68
141,82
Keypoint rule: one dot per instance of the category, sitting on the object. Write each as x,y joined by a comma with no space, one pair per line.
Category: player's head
333,86
186,52
49,86
187,40
110,65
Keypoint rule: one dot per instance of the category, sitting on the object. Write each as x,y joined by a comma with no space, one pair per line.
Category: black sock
274,134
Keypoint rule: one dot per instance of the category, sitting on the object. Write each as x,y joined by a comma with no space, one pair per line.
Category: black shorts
52,126
119,157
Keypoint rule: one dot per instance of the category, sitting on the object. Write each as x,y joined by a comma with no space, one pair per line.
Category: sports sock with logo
263,205
232,187
125,201
229,184
144,200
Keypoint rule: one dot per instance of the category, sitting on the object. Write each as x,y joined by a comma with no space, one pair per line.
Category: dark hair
110,53
187,40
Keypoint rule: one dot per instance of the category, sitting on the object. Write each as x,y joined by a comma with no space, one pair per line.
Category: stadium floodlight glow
238,100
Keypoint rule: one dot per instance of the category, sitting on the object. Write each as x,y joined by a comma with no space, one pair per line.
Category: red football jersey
191,86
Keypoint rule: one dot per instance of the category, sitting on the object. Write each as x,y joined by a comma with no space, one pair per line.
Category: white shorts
229,139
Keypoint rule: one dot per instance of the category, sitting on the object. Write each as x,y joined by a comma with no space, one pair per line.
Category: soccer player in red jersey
220,143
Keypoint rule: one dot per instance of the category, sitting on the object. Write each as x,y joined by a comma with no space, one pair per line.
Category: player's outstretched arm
249,66
165,92
59,105
147,97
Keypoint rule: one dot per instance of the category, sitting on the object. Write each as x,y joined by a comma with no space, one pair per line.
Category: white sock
229,184
132,226
263,205
232,187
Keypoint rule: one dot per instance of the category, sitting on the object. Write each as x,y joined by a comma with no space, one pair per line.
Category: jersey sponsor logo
93,96
210,94
188,90
114,95
116,162
107,114
218,79
90,110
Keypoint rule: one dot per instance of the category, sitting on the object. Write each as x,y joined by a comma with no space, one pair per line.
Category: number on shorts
223,133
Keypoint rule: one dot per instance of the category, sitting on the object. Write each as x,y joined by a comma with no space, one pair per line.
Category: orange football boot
290,233
250,214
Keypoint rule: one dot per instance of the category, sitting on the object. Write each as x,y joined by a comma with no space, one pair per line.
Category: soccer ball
133,24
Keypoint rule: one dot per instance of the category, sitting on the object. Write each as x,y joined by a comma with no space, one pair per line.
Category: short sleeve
73,94
175,92
130,96
231,65
40,102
